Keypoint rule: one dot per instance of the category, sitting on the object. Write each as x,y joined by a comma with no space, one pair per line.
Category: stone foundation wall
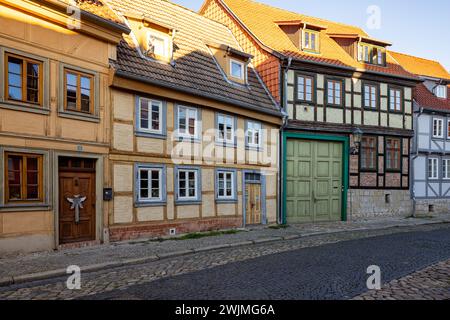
162,229
440,206
370,204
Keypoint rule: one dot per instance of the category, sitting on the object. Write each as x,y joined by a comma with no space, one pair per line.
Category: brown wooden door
253,203
73,185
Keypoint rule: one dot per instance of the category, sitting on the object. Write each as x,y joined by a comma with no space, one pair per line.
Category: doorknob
76,203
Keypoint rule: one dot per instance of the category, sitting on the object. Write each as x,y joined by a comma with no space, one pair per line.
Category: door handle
314,196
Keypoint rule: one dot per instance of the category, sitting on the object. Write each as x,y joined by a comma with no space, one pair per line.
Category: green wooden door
313,181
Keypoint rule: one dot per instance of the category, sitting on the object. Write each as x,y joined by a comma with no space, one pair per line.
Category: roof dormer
364,49
305,36
155,39
440,91
234,63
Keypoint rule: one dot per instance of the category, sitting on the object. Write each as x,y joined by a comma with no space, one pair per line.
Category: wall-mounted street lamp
357,137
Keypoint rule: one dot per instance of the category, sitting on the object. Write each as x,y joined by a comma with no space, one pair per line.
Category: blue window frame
151,117
226,185
188,185
150,186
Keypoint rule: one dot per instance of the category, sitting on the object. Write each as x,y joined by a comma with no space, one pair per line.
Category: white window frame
242,65
149,171
251,128
332,88
162,37
225,117
441,91
232,185
446,169
309,45
433,168
369,95
150,114
448,128
366,54
196,187
186,134
304,87
393,100
439,132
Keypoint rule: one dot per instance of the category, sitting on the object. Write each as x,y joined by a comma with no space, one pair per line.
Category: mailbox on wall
107,194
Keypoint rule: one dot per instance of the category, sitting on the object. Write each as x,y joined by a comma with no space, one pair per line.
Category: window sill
79,116
311,51
144,134
368,170
226,201
340,106
24,107
310,103
142,204
25,207
188,139
393,171
226,144
187,202
371,109
254,148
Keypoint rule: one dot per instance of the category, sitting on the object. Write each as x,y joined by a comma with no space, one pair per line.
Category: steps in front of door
77,245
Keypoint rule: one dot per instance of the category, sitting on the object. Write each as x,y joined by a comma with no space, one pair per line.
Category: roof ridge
305,15
416,57
194,12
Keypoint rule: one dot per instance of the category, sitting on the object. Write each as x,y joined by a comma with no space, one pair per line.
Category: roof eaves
413,78
433,109
121,28
273,112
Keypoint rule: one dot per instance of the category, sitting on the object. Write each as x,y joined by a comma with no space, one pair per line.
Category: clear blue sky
417,27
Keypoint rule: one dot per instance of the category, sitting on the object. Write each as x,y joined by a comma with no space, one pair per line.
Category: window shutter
360,52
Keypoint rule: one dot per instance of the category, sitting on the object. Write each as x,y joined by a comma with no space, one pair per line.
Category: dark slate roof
195,70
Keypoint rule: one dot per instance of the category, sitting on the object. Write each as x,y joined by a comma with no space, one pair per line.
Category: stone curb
210,248
265,240
7,281
174,254
39,276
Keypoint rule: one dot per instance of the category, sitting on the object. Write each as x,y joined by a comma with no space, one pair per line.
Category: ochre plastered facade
48,130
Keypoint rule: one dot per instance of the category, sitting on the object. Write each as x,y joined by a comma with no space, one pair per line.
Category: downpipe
415,155
283,99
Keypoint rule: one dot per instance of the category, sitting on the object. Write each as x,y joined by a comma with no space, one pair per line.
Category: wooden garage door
313,181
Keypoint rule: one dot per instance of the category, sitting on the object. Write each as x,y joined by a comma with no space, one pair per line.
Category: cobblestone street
432,283
316,267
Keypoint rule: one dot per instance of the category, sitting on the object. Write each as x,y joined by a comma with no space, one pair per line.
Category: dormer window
237,69
441,91
158,45
155,38
232,63
311,40
371,54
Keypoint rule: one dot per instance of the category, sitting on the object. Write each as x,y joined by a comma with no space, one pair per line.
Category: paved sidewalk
432,283
23,268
